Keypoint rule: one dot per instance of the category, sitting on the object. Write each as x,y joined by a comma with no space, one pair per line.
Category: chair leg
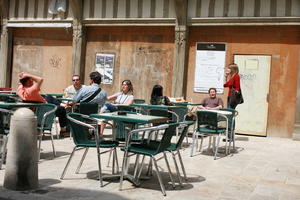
136,165
193,143
182,166
217,146
169,170
116,160
176,167
109,158
99,167
39,145
141,167
149,171
201,143
52,142
159,177
56,128
123,169
67,165
81,161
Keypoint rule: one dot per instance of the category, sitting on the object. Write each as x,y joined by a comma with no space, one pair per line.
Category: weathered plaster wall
142,54
282,43
46,53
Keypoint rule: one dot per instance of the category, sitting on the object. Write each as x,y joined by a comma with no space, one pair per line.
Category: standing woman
232,81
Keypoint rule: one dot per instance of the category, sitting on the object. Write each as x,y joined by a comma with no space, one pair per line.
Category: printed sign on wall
210,62
105,66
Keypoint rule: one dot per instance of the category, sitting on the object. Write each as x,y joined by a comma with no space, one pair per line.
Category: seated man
29,90
92,93
72,90
212,102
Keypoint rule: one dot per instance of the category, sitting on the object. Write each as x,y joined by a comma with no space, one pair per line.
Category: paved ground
263,168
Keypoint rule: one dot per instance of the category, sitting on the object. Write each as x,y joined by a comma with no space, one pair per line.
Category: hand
22,75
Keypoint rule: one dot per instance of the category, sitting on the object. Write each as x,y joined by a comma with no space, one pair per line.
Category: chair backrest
231,118
126,108
181,112
183,132
80,129
45,114
167,136
164,113
207,118
139,101
88,108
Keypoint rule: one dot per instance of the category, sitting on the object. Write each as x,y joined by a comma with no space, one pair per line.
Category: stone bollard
21,170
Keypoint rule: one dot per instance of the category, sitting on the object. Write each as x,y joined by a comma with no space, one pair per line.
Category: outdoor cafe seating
83,129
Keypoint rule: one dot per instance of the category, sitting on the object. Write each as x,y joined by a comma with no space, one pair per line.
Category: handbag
236,97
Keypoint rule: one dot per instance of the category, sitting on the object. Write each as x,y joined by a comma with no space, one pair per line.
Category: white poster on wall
210,63
105,66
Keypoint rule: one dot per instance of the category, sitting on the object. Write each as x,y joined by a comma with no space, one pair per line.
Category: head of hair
95,77
234,68
75,75
212,89
130,87
23,81
157,91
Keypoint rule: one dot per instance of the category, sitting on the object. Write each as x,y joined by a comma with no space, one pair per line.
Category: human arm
236,82
37,81
202,104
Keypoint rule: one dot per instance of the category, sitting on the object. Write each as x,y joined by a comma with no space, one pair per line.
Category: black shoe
228,140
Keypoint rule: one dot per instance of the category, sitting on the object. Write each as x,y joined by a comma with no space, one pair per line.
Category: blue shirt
87,91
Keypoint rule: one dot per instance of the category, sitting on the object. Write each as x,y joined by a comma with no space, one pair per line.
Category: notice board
209,69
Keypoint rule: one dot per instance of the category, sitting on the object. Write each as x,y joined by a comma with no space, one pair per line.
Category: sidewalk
263,168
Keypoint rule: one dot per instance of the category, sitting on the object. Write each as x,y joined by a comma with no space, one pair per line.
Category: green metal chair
174,148
82,127
173,117
87,108
207,124
231,127
149,150
45,113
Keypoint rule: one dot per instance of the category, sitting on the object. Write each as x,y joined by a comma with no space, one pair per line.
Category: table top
131,118
222,112
18,105
56,95
185,104
8,95
150,106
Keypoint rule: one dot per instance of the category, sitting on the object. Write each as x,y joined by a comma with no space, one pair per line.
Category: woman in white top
125,97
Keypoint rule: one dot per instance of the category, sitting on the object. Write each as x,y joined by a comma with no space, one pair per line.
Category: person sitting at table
124,97
157,97
91,93
212,102
72,90
29,91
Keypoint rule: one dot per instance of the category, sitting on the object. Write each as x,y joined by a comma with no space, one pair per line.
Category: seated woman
157,97
124,97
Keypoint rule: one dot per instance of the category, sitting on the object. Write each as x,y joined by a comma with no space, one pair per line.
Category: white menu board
210,62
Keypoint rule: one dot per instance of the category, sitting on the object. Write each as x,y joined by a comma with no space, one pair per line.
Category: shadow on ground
48,191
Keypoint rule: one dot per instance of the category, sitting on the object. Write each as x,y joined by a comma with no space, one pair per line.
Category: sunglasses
75,79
